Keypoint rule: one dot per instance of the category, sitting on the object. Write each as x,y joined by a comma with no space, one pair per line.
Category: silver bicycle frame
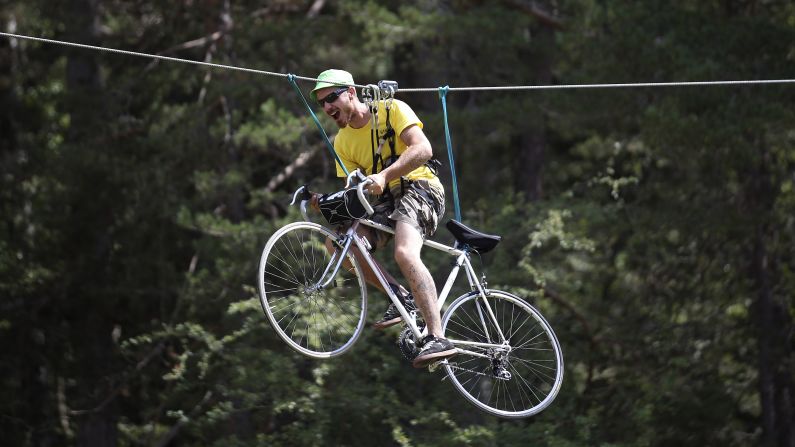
462,259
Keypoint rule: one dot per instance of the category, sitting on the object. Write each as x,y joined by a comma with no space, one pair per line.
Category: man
415,196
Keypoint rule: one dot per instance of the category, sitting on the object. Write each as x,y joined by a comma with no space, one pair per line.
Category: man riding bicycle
412,197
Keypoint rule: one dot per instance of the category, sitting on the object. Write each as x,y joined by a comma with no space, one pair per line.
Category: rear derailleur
499,365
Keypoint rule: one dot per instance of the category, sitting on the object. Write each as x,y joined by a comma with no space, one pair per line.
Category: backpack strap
389,136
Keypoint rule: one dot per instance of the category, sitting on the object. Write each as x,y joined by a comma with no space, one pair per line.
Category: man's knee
406,256
331,246
408,244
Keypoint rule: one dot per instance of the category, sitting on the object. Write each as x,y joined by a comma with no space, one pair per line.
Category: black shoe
392,316
434,349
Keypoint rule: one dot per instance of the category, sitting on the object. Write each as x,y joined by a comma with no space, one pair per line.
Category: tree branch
145,361
212,38
534,10
315,9
172,433
594,342
288,171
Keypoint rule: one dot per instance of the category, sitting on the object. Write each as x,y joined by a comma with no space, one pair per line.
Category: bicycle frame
351,237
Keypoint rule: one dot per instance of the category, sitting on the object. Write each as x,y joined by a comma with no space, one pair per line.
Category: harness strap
389,136
442,95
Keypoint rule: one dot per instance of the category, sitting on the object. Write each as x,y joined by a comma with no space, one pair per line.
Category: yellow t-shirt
355,149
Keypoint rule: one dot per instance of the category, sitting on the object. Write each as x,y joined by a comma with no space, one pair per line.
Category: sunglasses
331,97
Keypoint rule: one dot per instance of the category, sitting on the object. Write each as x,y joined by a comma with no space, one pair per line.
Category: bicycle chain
455,366
434,367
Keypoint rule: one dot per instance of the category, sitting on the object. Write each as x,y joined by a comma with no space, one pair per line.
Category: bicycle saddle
477,241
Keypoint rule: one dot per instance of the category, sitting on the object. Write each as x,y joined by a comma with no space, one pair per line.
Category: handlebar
304,194
356,177
360,194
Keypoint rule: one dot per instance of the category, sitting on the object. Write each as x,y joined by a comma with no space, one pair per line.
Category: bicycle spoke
538,373
275,291
291,279
284,309
473,323
527,386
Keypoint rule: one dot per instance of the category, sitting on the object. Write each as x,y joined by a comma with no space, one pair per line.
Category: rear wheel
319,322
512,364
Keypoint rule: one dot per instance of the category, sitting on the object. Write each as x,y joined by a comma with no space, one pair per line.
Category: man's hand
313,202
378,184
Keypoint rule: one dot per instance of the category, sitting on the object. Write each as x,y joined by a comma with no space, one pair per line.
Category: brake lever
354,178
360,193
304,193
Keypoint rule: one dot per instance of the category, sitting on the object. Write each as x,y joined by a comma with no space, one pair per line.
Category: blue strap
443,95
291,78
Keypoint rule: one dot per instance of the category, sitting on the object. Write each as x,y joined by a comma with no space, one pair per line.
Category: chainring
407,344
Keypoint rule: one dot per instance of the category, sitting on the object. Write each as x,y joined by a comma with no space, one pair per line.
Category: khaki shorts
421,205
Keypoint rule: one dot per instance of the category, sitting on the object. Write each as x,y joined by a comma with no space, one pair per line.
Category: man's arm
418,151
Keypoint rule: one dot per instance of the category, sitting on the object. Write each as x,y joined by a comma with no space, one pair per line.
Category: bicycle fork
336,261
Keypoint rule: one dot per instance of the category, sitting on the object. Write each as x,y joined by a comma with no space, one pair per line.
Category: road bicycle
509,362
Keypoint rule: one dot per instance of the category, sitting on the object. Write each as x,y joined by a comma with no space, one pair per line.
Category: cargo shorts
418,203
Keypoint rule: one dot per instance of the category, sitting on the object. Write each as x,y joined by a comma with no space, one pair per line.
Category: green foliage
133,211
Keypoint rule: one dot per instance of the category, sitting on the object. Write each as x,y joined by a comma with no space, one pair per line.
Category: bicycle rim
518,379
317,322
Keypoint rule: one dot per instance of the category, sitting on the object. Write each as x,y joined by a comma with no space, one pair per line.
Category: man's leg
391,316
369,276
408,244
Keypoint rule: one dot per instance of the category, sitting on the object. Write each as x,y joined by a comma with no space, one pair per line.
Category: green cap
331,78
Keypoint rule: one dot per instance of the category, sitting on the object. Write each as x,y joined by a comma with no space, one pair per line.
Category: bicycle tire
532,357
319,323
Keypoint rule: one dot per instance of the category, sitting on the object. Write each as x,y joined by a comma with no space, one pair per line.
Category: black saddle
475,240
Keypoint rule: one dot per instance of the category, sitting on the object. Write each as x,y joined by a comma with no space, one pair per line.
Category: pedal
435,365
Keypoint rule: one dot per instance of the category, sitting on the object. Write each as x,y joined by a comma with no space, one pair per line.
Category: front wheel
317,321
510,363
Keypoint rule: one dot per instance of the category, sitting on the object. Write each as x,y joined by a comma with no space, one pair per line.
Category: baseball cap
331,78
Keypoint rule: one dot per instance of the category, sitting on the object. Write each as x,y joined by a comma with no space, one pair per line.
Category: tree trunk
8,104
530,161
773,323
220,20
775,354
532,143
83,79
87,106
97,429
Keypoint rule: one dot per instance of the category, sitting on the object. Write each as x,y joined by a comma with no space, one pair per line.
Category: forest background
652,226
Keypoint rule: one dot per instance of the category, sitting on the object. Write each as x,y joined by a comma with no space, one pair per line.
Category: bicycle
509,362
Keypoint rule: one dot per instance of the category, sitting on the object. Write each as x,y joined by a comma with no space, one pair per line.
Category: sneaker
392,315
434,349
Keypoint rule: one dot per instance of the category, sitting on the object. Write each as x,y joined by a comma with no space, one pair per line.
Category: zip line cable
154,56
409,90
584,86
442,91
